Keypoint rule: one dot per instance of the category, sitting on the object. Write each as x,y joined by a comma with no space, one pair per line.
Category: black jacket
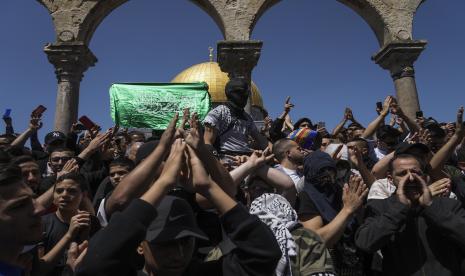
423,242
256,253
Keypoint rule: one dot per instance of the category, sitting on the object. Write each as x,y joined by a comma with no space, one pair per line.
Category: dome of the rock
216,79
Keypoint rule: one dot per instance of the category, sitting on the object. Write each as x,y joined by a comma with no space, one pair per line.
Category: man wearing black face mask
228,127
328,209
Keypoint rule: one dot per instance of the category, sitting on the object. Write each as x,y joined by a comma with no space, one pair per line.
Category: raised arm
8,125
112,250
354,194
256,251
380,169
411,124
441,157
373,126
138,180
95,144
217,171
341,125
256,160
355,157
35,143
34,125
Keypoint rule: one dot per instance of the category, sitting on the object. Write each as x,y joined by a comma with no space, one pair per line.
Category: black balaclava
237,92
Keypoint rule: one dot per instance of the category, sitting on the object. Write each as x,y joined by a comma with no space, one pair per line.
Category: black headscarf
327,197
237,92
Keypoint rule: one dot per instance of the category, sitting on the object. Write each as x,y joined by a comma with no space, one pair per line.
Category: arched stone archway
75,22
392,23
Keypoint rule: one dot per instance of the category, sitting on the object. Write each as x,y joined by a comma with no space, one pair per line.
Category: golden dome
216,79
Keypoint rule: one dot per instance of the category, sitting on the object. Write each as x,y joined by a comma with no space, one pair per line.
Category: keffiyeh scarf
276,212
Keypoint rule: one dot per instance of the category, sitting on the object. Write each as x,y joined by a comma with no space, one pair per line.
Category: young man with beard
20,222
418,234
228,127
68,223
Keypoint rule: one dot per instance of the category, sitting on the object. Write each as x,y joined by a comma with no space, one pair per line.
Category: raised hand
425,137
200,179
348,114
185,118
174,163
355,156
98,141
195,137
79,223
459,126
388,102
395,108
168,135
426,198
70,166
354,194
440,187
35,123
415,138
288,105
266,124
260,158
400,191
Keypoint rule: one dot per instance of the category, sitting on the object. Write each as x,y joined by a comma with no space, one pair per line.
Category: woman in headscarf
328,208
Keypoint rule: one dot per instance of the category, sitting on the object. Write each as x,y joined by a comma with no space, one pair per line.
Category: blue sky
318,52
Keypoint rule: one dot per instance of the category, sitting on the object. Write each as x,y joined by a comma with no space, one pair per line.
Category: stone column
70,61
398,57
238,58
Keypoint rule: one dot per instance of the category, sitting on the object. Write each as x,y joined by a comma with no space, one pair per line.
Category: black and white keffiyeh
276,212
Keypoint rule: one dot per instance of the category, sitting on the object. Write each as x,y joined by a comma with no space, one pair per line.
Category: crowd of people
220,196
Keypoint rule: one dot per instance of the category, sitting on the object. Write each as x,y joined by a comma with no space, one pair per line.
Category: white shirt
381,189
101,214
294,176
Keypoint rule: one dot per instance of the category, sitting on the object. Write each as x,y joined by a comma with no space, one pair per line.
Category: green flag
153,105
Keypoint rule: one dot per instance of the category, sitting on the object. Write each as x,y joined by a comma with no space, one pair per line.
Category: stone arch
390,20
392,23
75,21
235,18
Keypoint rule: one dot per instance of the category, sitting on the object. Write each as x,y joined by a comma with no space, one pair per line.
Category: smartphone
7,113
38,111
379,105
419,114
321,124
87,122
